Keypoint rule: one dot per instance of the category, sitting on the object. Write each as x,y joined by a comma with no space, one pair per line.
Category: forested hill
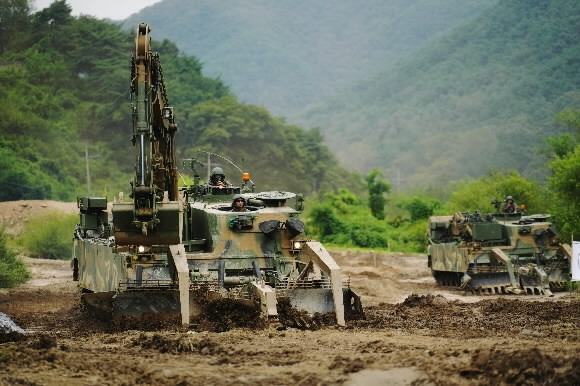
286,55
483,95
65,114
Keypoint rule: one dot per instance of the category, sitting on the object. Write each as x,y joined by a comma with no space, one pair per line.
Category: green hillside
65,113
286,55
482,96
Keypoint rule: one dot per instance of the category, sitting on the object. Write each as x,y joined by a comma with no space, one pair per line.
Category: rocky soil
413,333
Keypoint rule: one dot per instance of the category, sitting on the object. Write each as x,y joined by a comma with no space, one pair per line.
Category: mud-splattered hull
140,304
202,304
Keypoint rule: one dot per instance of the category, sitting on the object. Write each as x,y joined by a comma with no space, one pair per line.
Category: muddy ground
414,333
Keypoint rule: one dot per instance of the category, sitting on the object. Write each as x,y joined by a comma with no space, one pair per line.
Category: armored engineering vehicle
498,252
171,250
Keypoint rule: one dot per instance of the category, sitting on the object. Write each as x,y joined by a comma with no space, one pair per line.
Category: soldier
239,204
217,178
510,206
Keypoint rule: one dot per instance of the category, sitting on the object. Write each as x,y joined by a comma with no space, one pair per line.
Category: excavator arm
153,118
154,128
153,133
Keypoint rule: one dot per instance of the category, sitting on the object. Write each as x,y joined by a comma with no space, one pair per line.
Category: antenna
209,154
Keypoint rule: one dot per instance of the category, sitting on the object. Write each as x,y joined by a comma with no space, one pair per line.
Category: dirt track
414,333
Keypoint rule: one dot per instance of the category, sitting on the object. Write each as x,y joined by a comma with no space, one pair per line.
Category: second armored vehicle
498,253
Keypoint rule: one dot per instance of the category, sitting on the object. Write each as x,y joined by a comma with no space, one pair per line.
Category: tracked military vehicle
498,252
171,249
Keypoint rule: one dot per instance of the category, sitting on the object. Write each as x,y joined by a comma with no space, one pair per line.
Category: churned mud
413,333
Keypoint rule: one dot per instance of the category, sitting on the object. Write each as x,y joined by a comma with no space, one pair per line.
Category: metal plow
141,303
489,283
526,280
530,280
205,304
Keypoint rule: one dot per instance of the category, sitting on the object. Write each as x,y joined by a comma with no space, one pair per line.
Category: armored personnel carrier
498,252
172,250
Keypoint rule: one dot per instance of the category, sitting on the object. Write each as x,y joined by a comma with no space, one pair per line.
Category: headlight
141,249
297,245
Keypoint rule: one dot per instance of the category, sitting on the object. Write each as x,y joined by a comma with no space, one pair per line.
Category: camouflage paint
501,253
226,255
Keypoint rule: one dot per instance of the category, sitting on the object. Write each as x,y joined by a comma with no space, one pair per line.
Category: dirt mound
180,343
43,342
494,317
522,367
225,314
415,300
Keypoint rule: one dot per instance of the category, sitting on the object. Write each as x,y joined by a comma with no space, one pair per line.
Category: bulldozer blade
100,303
311,300
137,304
498,282
558,279
142,304
320,300
530,281
536,284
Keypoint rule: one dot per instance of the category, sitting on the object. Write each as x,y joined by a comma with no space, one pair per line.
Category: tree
13,19
477,194
325,221
59,12
565,180
565,144
565,185
421,209
318,157
377,189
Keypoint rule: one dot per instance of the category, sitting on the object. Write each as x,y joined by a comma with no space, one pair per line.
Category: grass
49,236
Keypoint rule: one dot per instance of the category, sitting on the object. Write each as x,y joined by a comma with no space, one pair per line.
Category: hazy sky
112,9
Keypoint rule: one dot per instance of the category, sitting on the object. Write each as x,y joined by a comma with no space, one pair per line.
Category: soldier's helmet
239,197
217,171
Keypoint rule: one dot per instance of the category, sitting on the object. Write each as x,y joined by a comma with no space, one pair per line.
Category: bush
368,233
49,236
325,222
471,195
409,237
420,208
13,271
